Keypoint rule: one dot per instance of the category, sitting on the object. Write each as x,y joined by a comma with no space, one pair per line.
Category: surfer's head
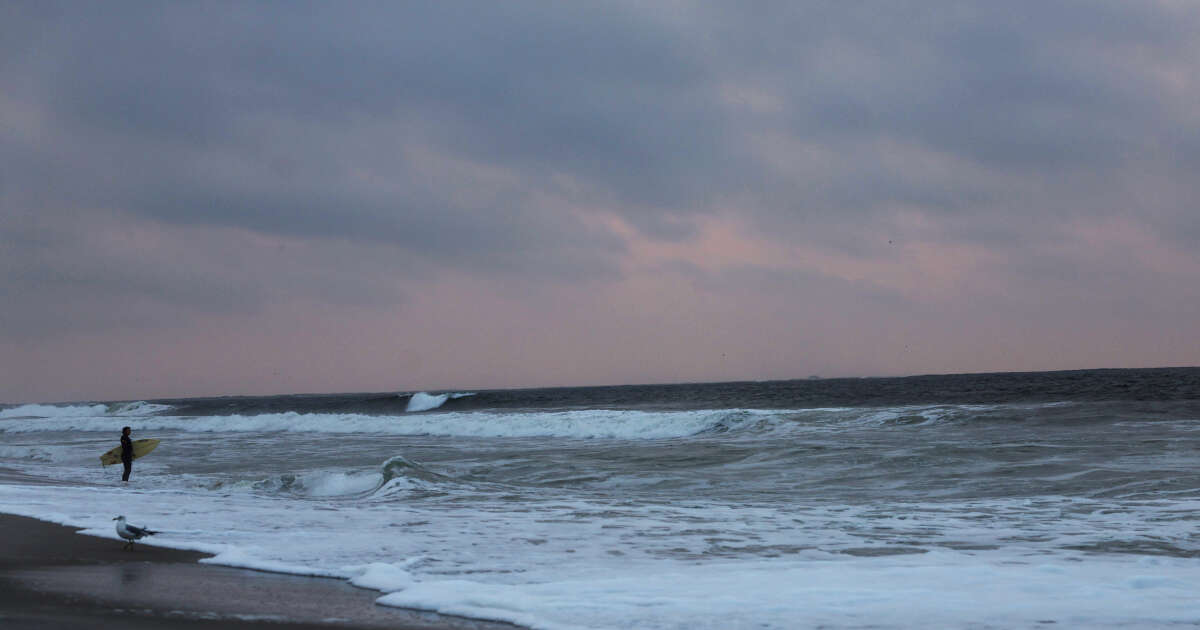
125,430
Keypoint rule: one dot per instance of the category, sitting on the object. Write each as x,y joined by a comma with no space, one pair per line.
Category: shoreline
53,577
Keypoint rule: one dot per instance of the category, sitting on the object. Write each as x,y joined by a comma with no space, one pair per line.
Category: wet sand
52,577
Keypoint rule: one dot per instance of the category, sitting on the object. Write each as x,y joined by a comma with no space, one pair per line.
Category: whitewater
999,501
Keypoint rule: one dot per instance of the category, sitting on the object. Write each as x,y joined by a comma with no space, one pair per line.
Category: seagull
131,533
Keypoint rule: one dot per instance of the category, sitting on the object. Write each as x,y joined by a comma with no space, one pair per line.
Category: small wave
318,484
31,453
117,410
397,474
338,484
577,424
53,411
912,416
571,424
422,401
137,408
400,467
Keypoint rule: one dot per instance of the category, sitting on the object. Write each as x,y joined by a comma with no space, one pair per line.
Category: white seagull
131,533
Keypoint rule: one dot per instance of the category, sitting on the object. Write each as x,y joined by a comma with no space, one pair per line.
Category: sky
218,198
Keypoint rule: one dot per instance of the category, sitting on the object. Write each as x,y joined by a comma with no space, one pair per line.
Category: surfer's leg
128,468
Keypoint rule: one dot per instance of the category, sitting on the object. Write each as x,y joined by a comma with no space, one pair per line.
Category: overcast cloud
220,198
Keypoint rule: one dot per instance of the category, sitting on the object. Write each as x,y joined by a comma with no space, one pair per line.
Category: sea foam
54,411
582,424
114,410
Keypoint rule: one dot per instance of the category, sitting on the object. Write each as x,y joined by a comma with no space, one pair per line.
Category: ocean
1017,500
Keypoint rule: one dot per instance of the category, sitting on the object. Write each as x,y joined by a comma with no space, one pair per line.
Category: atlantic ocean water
1062,499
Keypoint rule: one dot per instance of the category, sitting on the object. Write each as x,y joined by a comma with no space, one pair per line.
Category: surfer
126,453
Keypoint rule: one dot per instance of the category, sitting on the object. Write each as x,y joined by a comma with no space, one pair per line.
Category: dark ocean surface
1141,385
985,500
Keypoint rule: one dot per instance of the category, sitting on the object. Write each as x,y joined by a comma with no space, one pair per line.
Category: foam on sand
407,554
938,590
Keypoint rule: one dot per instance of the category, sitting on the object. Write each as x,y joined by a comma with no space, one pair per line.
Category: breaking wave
397,474
581,424
25,412
624,424
422,401
111,410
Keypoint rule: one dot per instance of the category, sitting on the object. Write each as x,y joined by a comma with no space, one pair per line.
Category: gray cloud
346,152
621,99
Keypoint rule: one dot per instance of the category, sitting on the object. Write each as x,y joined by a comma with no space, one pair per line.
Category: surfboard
140,448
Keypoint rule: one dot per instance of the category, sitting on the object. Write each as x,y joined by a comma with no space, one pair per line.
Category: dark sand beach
52,577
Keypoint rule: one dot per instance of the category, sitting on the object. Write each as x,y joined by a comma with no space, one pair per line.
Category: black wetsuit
126,456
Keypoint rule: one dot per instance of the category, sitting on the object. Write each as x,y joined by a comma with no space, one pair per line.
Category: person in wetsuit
126,453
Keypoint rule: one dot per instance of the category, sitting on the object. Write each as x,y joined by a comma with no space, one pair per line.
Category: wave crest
25,412
97,410
422,401
400,467
578,424
571,424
